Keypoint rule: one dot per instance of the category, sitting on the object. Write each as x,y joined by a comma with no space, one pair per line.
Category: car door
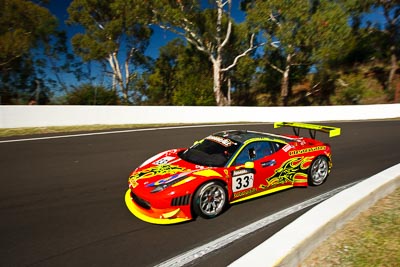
254,169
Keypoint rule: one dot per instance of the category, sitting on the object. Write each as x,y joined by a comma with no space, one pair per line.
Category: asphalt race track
62,200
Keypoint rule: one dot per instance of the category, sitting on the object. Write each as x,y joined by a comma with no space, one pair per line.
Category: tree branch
252,47
229,30
275,67
196,42
273,18
228,33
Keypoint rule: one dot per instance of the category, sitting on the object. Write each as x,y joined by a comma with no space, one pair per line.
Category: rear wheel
210,199
318,171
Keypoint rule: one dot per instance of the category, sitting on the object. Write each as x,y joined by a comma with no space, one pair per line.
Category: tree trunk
220,98
393,68
285,81
117,75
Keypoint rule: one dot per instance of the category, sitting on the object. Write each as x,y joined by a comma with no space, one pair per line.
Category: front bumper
166,216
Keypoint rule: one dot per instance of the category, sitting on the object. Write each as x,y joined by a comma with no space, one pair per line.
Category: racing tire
318,171
210,200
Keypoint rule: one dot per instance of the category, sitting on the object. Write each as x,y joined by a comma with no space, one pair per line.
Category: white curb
291,245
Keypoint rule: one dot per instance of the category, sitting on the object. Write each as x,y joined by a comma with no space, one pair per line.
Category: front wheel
210,199
318,171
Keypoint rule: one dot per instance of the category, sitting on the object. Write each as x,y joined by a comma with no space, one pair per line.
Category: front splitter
136,210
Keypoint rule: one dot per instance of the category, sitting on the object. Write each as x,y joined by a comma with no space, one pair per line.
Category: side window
254,151
277,146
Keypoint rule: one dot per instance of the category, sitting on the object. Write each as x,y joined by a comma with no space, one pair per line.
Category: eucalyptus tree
303,32
116,33
88,94
162,80
25,26
181,76
193,72
208,27
391,13
383,35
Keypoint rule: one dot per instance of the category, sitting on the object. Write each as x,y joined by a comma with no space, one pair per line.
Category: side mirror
249,165
197,142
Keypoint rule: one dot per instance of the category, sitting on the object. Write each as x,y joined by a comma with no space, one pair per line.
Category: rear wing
313,128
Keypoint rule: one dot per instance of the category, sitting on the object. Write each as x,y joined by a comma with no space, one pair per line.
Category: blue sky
159,38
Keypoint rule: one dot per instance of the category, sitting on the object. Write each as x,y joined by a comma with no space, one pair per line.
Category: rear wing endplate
313,128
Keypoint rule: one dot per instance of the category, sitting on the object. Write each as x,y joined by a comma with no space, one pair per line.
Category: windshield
210,153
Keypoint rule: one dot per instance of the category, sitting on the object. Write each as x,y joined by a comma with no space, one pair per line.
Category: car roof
243,136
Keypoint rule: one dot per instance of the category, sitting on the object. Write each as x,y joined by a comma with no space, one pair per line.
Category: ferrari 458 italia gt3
224,168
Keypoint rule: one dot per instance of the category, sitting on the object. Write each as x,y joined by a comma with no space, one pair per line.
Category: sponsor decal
220,140
286,148
167,180
306,150
239,172
288,172
226,173
163,160
207,173
242,182
244,193
154,171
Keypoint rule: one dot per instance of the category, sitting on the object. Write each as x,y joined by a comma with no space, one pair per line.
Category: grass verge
67,129
6,132
370,239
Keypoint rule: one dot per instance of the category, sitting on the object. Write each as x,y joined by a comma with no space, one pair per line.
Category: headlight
165,183
159,188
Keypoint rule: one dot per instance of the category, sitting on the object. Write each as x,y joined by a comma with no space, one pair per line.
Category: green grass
63,129
371,239
6,132
376,239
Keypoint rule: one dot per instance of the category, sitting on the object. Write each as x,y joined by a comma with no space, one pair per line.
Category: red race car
224,168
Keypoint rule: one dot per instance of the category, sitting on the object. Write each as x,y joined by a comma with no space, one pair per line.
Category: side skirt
262,193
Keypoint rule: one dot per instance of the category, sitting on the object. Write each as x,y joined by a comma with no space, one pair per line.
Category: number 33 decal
242,182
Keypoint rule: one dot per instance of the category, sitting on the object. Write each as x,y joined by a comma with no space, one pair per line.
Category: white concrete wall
42,116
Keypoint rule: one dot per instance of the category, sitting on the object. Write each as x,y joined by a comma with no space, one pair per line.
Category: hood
164,170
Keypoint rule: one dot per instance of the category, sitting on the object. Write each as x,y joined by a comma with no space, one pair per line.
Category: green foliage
329,34
115,31
300,33
194,82
208,27
350,92
243,78
23,25
357,88
25,28
326,53
163,81
181,76
88,94
108,25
